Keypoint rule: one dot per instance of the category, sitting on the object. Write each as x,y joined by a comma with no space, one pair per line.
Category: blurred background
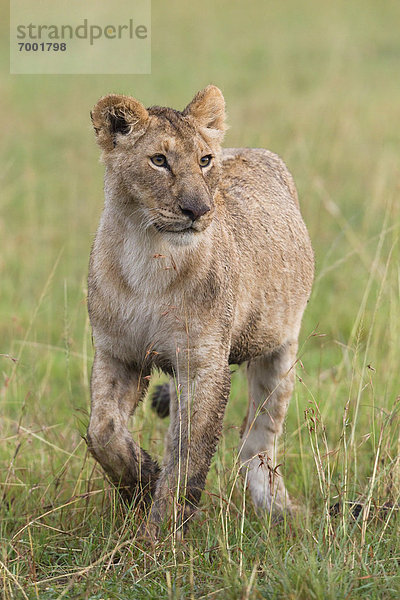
318,83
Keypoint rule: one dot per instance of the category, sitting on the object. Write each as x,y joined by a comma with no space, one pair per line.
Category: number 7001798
42,46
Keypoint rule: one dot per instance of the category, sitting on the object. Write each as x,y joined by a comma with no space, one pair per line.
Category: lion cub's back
262,207
261,201
272,244
252,171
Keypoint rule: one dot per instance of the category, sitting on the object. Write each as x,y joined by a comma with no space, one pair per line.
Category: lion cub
201,260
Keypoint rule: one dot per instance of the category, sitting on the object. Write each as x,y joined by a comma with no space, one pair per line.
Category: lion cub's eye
159,160
205,160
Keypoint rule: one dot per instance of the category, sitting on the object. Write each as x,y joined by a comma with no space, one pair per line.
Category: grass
317,83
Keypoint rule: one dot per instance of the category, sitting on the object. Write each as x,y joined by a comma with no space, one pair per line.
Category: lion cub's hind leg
271,380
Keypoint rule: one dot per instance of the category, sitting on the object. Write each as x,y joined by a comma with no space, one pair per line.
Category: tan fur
192,269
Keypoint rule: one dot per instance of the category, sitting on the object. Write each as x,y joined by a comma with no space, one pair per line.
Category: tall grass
316,82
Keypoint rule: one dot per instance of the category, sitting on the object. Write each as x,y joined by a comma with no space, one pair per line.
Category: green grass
316,82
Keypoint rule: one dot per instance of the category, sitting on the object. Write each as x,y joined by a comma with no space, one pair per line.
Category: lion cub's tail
160,400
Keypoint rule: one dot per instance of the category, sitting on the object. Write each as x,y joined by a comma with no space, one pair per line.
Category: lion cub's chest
136,296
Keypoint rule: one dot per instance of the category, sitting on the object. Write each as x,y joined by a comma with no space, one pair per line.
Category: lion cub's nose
195,210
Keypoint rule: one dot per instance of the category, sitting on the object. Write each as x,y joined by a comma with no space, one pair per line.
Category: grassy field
318,83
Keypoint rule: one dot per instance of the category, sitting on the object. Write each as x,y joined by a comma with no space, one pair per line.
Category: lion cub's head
165,162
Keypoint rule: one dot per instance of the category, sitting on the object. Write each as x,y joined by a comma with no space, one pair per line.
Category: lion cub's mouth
189,228
167,228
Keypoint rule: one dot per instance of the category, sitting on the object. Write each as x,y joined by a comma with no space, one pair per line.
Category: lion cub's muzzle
197,208
186,222
192,212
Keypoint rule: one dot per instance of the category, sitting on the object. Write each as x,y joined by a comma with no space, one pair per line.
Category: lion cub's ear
208,110
117,114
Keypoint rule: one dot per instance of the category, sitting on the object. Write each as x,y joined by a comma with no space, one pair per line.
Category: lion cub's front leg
116,389
197,412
